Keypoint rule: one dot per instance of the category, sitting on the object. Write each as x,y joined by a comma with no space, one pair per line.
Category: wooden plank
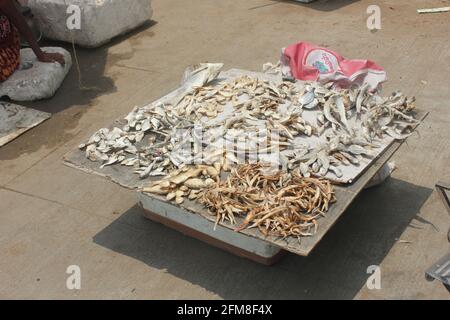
195,225
236,250
16,120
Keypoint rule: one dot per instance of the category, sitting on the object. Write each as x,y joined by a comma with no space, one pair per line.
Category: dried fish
277,204
308,98
162,139
361,96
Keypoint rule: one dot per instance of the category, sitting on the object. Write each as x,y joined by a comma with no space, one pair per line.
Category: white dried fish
113,159
339,103
361,96
307,98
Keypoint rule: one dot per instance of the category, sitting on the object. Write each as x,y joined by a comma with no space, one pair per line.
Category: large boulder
101,20
38,82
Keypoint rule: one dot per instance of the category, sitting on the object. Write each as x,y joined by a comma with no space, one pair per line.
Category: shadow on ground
71,98
336,269
320,5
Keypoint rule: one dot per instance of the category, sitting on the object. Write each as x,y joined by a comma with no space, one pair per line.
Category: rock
101,20
39,82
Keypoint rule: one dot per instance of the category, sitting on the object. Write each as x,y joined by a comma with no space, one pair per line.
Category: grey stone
39,82
101,20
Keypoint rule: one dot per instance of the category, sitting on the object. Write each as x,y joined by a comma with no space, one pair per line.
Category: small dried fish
277,204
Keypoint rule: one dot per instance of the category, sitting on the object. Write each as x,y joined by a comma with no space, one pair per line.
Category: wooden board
345,194
15,120
196,226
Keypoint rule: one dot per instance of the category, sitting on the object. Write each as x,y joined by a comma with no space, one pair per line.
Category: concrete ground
52,216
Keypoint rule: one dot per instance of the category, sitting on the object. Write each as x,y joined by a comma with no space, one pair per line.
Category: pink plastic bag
305,61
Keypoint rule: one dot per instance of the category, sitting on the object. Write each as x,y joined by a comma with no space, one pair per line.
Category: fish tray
193,219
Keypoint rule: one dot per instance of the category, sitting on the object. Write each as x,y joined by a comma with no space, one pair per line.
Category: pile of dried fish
352,135
186,182
127,146
350,124
279,204
262,97
157,155
146,138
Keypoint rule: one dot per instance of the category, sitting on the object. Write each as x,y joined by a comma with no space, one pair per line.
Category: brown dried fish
278,204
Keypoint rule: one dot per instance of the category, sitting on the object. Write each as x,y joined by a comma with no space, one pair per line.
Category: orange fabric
9,48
